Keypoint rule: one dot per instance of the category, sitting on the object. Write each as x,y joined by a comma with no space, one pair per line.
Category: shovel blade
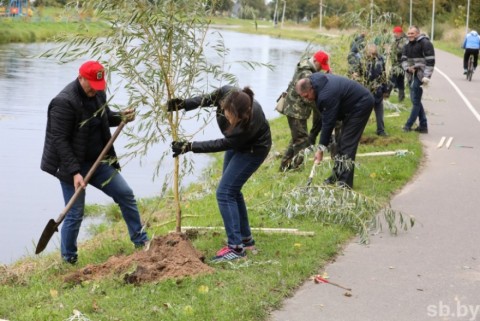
50,229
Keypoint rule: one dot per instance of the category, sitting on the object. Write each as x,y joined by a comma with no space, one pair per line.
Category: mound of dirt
169,256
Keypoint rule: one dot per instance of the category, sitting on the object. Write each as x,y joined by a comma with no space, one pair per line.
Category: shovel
52,225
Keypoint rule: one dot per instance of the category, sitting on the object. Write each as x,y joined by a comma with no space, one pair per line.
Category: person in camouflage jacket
369,70
397,74
298,111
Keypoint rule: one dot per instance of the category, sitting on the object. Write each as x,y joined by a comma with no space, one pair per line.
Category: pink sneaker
228,254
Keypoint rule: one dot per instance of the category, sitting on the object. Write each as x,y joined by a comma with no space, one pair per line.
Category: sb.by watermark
457,310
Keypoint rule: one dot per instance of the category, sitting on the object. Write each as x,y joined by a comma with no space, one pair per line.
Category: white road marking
440,144
449,141
459,92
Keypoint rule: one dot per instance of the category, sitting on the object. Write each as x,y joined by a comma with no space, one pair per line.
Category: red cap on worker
397,29
94,72
322,58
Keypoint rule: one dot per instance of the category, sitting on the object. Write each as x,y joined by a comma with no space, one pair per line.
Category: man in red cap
397,76
94,73
78,128
298,111
320,60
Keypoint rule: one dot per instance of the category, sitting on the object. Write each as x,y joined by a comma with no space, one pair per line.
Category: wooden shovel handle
89,175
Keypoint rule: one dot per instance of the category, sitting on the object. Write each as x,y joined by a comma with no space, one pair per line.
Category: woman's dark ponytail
239,105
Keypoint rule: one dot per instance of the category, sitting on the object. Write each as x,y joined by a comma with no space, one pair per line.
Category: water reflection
29,197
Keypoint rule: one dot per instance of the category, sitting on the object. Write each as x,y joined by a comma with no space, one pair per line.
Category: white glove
425,81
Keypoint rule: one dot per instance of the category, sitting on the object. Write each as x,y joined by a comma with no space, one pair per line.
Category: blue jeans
416,92
107,179
237,169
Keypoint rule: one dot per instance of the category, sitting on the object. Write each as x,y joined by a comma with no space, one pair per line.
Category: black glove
175,104
181,148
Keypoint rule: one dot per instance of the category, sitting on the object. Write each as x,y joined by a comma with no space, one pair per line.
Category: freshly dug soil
169,256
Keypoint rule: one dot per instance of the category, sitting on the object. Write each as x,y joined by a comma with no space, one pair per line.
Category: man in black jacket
339,99
78,128
418,61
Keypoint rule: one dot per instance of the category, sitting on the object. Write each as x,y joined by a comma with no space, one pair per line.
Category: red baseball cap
94,72
397,29
322,58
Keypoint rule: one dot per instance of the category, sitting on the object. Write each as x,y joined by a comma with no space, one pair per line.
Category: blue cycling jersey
472,41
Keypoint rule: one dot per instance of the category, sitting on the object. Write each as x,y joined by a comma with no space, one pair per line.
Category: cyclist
471,44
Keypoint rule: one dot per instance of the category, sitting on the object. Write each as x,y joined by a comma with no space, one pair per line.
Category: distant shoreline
15,30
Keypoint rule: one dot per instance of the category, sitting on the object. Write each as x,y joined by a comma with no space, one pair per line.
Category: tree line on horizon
337,13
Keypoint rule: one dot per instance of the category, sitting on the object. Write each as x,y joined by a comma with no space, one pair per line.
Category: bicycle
470,68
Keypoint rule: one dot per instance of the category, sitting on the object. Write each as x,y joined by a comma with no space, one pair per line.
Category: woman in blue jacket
247,141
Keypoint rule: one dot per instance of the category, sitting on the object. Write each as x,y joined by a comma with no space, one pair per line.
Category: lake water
30,197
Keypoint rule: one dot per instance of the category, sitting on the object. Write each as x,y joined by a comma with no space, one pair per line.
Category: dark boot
297,161
286,162
401,95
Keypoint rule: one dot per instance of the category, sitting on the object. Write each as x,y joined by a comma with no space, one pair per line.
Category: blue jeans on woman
237,169
416,92
107,179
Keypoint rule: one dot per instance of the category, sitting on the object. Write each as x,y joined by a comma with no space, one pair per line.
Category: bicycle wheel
470,68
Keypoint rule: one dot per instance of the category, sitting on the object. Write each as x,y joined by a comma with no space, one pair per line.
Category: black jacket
420,54
337,98
373,76
255,139
66,134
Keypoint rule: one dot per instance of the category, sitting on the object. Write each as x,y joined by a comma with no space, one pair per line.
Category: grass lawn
34,288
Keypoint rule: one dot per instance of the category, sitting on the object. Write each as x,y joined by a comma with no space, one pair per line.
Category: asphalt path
431,272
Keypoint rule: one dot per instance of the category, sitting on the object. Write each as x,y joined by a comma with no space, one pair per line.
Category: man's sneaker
70,260
421,130
406,129
228,254
465,71
249,244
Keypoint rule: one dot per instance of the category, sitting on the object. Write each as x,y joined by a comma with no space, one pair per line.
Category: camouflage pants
316,126
292,157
